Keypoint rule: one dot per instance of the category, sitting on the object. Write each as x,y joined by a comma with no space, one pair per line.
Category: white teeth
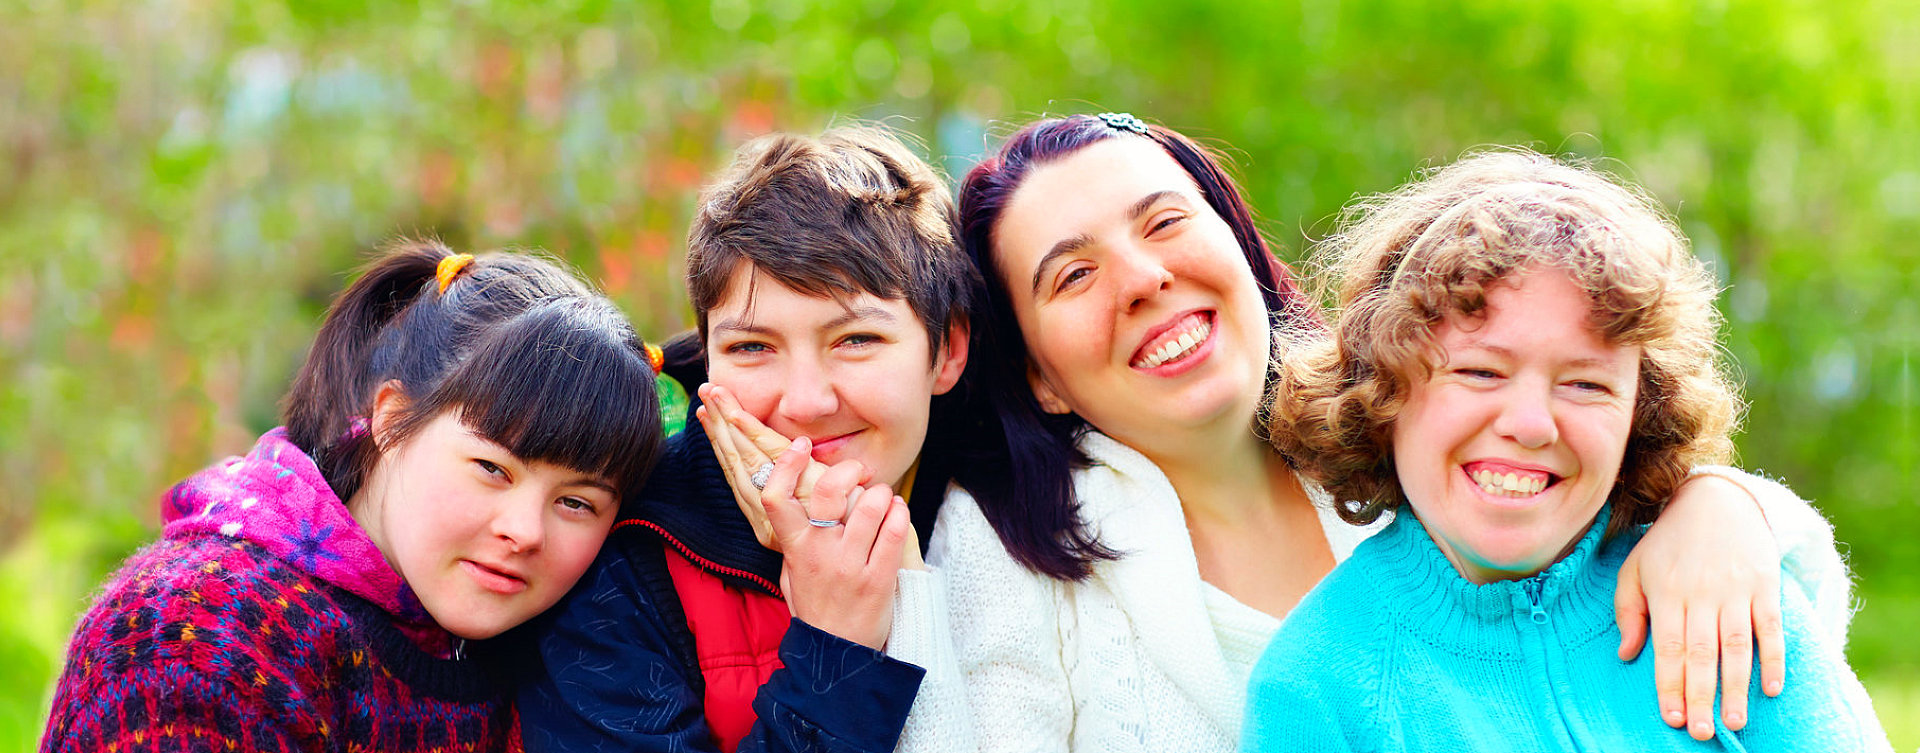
1178,346
1508,484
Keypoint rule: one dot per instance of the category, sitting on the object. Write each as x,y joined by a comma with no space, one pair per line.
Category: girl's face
1509,448
485,540
1137,305
857,376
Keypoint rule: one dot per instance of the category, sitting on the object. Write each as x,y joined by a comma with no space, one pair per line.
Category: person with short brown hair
746,599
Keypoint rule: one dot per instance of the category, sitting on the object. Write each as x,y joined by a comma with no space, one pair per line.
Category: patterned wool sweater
265,620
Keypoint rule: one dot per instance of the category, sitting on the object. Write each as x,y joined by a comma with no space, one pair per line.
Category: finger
1703,656
863,522
723,449
783,511
1771,635
889,544
830,493
1630,611
1669,627
1736,664
770,443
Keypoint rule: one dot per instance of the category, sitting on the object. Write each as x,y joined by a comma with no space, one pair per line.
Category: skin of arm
1704,587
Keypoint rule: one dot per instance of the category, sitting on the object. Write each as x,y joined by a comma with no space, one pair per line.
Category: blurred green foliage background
184,183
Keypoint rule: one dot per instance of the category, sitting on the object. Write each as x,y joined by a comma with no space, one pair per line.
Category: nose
521,522
809,394
1526,415
1141,274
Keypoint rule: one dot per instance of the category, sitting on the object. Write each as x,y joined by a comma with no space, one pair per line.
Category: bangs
567,384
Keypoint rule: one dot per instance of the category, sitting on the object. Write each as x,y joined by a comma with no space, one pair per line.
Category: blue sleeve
832,695
610,680
1287,711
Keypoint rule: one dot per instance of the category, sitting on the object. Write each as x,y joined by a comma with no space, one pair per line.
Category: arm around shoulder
1809,557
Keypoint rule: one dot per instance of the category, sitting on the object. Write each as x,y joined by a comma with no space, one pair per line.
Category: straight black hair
532,358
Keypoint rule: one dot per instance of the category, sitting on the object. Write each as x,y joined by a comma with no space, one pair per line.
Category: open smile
1175,345
1509,481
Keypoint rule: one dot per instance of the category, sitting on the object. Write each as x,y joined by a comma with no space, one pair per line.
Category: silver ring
823,523
760,476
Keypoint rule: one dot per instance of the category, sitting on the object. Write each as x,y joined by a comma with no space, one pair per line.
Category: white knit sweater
1143,655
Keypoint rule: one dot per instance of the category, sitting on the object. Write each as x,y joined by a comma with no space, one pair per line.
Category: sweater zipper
459,649
1559,687
703,562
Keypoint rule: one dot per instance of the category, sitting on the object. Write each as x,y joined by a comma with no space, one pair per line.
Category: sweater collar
1576,592
276,497
1133,509
688,501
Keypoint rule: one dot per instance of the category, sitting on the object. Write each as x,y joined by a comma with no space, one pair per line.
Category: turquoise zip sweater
1395,651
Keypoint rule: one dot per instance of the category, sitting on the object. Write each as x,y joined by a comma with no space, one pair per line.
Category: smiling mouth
1506,481
1177,342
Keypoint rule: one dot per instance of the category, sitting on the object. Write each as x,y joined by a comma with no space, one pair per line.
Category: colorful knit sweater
1396,651
265,619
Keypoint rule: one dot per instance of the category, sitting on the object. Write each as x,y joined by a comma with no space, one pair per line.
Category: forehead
1537,314
1083,191
759,302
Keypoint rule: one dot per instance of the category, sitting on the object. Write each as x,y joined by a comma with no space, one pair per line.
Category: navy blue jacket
617,665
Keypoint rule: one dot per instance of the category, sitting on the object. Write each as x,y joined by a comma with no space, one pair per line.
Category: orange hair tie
450,268
656,357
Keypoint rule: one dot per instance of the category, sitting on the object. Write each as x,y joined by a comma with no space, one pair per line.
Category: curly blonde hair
1405,260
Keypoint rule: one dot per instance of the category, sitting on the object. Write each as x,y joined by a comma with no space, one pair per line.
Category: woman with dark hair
1127,541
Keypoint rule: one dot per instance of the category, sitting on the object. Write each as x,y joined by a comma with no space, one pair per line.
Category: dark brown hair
849,212
530,357
1026,493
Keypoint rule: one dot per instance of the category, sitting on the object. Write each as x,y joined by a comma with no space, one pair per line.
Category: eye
861,338
1592,387
1168,222
1071,277
1475,373
748,348
489,468
577,504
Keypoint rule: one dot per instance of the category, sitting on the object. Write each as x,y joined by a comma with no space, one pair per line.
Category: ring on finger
761,476
817,523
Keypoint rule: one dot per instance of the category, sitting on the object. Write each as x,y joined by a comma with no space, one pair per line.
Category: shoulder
1335,629
205,614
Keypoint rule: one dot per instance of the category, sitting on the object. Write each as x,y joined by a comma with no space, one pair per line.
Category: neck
1222,476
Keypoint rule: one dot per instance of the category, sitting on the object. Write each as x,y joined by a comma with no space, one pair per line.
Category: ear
1043,393
389,404
953,358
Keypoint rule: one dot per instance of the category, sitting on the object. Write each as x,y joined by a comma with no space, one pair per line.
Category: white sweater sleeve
1004,626
942,719
1808,555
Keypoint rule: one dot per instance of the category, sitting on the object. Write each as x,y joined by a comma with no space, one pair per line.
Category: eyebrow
1509,353
857,313
852,314
1083,240
735,325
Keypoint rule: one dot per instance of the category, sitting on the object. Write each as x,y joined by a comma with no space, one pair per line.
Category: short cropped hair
1406,260
851,211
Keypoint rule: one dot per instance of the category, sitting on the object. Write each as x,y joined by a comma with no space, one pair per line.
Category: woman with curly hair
1524,368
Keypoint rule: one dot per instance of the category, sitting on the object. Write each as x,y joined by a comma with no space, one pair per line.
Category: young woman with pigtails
456,448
